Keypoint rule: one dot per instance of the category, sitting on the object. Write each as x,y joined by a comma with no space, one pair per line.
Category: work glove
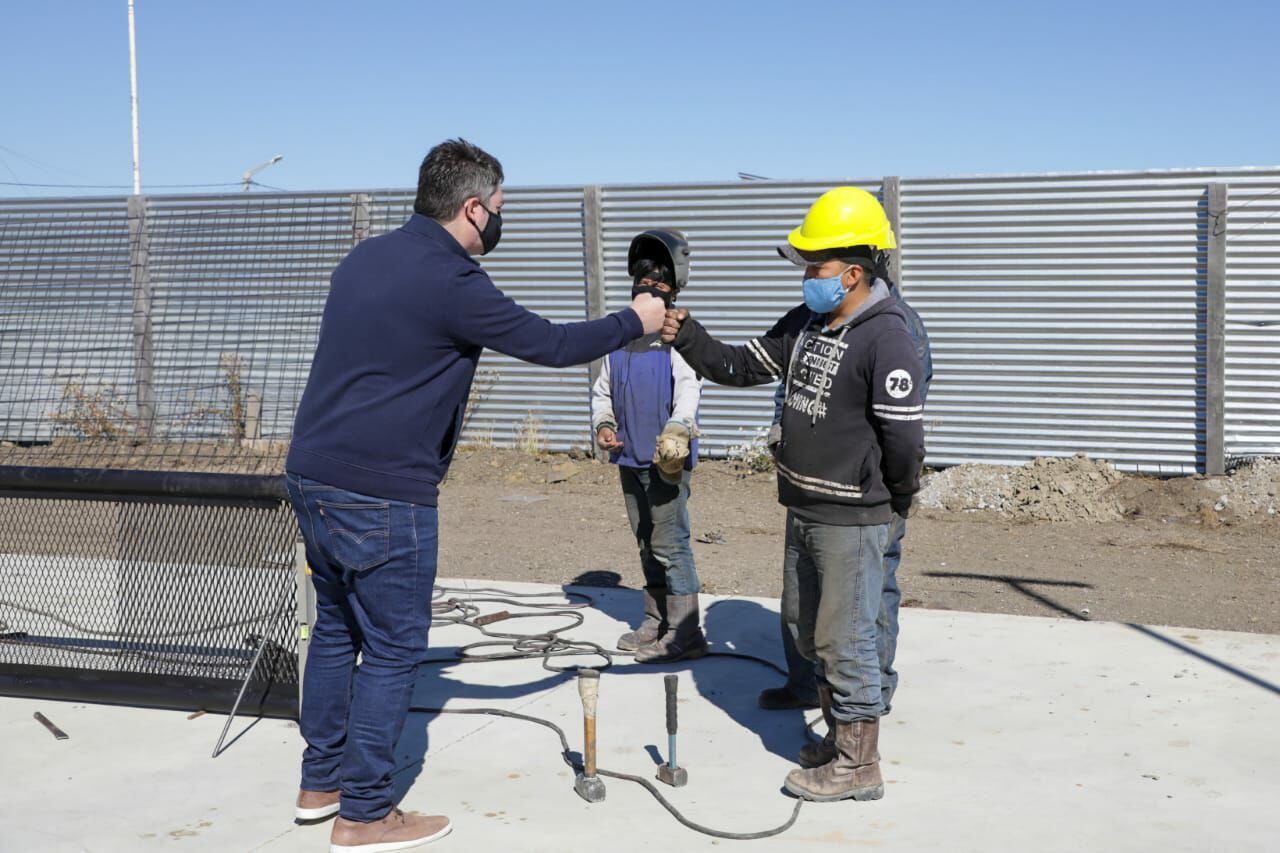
901,504
672,450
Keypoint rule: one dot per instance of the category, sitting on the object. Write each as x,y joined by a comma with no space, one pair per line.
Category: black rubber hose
613,774
548,645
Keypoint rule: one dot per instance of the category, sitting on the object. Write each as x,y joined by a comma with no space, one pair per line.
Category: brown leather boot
396,831
316,805
683,640
820,753
854,774
655,620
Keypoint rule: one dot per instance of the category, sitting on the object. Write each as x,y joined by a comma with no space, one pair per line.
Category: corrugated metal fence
1067,312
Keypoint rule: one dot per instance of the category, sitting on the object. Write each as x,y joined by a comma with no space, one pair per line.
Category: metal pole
143,344
891,192
360,222
1215,459
593,258
133,98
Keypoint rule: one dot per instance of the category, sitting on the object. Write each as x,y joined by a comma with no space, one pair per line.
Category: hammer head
676,777
590,788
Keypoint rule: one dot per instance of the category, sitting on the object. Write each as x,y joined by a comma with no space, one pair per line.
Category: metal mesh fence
115,593
162,334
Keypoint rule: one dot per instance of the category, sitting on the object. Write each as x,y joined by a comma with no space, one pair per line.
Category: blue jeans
801,677
835,593
373,563
659,516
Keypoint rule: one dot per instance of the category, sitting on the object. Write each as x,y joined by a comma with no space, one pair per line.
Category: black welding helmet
665,247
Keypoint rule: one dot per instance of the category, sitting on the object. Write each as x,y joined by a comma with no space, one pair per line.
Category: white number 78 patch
898,384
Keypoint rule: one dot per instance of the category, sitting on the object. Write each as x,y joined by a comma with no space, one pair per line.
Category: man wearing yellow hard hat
849,457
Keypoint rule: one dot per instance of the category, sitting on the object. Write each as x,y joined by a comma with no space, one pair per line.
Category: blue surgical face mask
824,295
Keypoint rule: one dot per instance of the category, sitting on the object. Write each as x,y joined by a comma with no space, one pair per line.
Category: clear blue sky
353,94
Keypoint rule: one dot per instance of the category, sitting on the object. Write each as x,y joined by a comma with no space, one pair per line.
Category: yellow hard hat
840,218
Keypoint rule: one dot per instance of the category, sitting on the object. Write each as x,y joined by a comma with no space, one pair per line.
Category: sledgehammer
670,772
588,785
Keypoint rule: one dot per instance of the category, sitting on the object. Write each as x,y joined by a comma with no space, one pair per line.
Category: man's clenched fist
650,308
671,323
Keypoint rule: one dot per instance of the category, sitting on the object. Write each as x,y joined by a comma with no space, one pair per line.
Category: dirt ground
1159,554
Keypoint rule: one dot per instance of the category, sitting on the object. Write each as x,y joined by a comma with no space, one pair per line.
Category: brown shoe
396,831
315,805
824,751
854,774
655,620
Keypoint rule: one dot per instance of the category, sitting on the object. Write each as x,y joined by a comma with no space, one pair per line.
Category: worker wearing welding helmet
644,410
848,460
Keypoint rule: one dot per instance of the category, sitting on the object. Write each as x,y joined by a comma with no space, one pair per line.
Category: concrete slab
1009,733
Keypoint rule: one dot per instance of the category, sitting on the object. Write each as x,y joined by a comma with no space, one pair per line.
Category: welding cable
512,645
567,755
548,644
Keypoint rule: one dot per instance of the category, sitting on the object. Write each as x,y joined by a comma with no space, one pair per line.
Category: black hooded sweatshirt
853,424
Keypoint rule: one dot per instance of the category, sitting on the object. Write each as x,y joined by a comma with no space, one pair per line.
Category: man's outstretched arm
756,362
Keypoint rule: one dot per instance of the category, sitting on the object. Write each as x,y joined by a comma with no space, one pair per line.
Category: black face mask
491,233
666,296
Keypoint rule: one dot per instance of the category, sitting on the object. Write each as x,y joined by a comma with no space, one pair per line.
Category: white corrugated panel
1063,311
738,286
539,263
1252,421
66,309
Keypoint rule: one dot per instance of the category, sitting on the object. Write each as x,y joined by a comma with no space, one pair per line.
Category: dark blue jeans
373,563
659,516
860,615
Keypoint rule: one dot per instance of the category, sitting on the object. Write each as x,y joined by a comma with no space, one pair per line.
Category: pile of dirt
1073,489
1046,489
1082,489
966,488
1252,490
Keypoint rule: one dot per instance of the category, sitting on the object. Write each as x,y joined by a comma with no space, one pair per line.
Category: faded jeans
801,678
659,516
834,591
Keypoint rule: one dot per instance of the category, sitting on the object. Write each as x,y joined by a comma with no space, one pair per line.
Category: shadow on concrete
737,626
733,626
433,690
1023,586
1209,659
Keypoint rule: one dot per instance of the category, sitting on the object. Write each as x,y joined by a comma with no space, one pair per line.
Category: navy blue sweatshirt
407,316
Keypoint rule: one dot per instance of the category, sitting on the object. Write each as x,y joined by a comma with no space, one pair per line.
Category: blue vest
642,387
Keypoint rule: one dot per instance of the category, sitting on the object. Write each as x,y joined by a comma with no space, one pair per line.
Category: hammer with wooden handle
588,785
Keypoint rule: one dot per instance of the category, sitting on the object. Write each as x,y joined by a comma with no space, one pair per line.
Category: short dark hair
452,172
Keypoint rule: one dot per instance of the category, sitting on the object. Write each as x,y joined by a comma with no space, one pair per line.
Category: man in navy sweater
407,316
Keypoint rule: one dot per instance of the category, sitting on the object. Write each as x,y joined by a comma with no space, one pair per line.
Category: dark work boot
854,774
655,620
683,639
818,754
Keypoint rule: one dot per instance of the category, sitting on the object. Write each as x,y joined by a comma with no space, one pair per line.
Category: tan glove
672,450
